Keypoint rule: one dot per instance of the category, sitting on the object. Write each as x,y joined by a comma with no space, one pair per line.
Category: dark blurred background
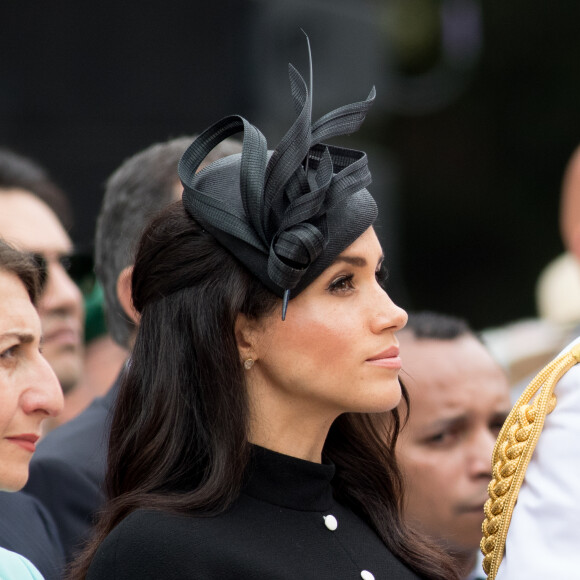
478,110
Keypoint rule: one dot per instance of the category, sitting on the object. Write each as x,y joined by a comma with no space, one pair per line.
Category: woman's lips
388,358
26,441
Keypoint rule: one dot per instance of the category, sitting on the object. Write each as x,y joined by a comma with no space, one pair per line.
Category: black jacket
275,530
28,529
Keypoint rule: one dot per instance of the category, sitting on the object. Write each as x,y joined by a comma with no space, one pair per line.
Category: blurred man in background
34,217
523,347
459,399
558,289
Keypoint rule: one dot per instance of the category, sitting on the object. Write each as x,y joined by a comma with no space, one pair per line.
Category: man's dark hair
19,172
435,326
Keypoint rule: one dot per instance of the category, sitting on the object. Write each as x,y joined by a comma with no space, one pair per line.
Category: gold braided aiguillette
512,453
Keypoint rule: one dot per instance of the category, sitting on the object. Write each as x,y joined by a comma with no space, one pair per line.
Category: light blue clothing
16,567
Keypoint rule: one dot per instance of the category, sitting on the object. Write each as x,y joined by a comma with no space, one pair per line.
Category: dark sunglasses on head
79,266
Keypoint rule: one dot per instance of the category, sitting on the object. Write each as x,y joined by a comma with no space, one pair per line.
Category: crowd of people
258,406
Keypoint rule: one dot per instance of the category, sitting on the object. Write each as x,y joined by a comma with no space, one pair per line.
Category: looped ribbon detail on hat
285,196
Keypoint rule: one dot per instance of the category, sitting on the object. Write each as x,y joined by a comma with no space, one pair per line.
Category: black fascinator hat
285,214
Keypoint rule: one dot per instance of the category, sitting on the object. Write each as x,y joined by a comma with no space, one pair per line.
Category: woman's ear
246,336
124,294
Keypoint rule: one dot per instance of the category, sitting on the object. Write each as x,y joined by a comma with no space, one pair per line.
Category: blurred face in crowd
29,389
30,225
459,401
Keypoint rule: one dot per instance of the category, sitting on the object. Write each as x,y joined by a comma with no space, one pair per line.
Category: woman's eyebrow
352,260
23,337
358,261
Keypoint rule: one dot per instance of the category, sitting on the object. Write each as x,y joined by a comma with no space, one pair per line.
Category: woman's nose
388,315
43,393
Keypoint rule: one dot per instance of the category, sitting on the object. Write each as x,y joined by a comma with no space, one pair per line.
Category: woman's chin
13,481
380,400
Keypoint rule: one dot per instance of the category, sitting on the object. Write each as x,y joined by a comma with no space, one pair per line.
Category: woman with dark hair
243,443
29,389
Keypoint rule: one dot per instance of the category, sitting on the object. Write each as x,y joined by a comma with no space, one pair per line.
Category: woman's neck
294,434
287,422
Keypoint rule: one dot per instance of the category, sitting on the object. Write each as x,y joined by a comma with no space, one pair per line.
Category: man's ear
124,294
574,242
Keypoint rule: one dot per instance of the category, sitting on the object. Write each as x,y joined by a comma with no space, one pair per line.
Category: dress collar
288,481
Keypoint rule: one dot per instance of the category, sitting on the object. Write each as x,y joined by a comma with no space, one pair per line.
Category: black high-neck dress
285,525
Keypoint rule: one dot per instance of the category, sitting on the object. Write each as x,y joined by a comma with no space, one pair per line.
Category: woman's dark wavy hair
23,266
179,438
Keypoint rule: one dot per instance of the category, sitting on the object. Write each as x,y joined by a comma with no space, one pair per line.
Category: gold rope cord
512,453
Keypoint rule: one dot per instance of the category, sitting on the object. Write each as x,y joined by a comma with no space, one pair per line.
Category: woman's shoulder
16,567
152,544
146,530
159,525
143,517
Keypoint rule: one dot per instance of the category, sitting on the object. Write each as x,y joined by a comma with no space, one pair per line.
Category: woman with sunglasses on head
29,389
243,443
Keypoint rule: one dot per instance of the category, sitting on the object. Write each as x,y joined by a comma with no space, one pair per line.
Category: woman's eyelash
9,352
382,275
342,283
436,438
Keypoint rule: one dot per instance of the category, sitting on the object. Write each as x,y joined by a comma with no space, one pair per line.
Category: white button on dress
330,522
366,575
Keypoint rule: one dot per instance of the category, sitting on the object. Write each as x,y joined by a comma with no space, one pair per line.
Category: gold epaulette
512,453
